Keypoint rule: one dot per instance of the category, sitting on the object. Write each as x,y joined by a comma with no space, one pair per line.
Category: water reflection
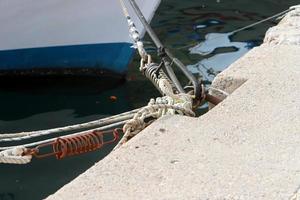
178,23
228,52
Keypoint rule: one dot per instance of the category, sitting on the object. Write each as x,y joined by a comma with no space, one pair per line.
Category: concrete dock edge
247,147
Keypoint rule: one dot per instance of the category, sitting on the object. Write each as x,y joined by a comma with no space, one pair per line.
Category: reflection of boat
66,37
208,67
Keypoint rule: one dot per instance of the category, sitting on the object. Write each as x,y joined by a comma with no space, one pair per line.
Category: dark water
182,26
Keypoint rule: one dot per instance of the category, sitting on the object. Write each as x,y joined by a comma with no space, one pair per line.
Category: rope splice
75,145
168,105
15,156
61,147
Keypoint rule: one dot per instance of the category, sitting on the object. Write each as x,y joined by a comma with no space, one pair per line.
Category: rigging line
146,25
125,11
256,23
139,44
160,47
101,122
245,27
74,134
264,20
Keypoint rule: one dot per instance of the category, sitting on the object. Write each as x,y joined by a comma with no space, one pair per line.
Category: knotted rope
15,155
161,106
169,104
9,137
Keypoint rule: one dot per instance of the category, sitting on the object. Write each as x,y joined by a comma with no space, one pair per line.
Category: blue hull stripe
108,56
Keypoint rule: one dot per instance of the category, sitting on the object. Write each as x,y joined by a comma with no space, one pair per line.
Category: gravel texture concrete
247,147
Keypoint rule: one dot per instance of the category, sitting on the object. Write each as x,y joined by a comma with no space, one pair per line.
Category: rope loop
170,104
15,155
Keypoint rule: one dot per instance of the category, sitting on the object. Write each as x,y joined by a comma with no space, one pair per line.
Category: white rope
15,156
137,124
134,33
220,91
295,7
74,134
167,105
125,11
9,137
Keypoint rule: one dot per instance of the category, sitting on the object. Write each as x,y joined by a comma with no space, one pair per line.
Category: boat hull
51,36
110,57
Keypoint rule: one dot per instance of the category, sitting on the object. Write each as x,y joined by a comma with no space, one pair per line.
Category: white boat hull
55,34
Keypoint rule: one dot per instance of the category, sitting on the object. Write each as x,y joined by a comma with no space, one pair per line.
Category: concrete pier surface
247,147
